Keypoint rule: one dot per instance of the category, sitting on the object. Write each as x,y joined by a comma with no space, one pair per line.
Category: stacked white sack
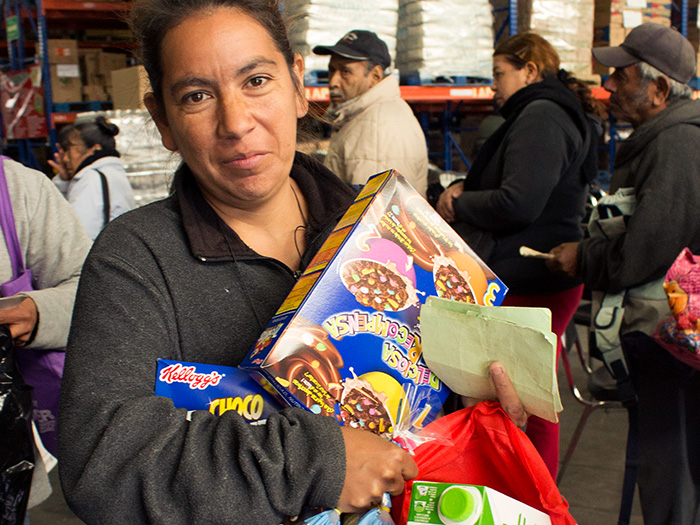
438,38
324,22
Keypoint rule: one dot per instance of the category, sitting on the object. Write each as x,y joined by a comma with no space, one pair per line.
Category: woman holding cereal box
196,277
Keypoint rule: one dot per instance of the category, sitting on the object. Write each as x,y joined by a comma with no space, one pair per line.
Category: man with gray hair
659,167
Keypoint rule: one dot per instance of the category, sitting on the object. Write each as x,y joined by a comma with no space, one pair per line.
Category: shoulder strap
105,198
606,325
7,221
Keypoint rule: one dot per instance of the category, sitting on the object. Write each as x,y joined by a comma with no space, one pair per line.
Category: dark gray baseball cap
659,46
359,44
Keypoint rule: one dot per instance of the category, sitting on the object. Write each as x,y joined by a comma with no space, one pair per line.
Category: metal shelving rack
35,14
15,12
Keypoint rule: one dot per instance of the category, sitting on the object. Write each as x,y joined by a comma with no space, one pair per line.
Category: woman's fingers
373,466
507,396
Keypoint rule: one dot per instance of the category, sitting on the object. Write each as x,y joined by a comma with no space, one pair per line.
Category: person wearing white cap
374,128
660,162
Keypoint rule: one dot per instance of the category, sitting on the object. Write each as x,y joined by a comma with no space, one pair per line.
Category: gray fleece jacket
54,245
170,280
660,161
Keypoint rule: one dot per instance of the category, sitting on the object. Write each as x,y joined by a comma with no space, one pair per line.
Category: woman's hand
60,167
444,204
21,319
510,402
373,466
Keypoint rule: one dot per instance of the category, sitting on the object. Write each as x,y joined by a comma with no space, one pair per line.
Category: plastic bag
680,334
327,517
482,446
377,516
16,439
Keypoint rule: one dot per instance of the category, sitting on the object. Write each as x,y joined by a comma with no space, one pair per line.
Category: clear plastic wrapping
444,38
568,26
149,166
324,22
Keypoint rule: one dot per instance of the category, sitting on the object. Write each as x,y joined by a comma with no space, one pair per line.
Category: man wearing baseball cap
374,128
660,165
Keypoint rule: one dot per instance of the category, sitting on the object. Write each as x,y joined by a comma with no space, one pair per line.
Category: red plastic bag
482,446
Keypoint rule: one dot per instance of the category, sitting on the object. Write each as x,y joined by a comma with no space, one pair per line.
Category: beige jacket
375,132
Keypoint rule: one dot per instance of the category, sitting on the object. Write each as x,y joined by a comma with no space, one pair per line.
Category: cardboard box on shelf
65,83
60,51
128,87
346,342
108,62
89,66
94,93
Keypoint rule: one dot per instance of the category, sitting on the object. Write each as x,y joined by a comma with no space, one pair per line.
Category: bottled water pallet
80,107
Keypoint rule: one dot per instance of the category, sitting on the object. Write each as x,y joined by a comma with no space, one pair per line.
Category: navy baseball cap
359,45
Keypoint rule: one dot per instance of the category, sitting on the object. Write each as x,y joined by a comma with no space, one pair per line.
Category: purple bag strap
7,221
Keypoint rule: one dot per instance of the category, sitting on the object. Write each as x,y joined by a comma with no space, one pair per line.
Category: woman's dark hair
99,131
150,20
526,47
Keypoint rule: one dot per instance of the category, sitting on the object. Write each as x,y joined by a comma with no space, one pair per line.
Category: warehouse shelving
32,20
444,103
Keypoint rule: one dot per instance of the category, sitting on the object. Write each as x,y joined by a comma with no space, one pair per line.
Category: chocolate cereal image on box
346,342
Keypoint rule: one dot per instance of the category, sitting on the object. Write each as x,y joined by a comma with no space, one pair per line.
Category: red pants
543,434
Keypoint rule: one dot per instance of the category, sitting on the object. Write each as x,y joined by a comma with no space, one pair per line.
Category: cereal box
346,342
216,388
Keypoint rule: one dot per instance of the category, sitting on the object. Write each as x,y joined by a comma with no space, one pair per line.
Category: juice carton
450,504
346,342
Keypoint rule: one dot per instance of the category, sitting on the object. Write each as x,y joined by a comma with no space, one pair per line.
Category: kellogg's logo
178,373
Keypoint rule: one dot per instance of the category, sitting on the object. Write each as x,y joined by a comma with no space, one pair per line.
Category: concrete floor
591,484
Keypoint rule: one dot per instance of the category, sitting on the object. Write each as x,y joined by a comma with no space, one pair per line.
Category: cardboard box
60,51
89,67
94,93
108,62
65,83
445,503
346,341
216,388
128,87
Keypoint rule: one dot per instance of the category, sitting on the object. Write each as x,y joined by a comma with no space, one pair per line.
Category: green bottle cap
456,504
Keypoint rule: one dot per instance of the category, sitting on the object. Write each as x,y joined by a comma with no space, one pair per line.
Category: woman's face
230,106
76,152
507,79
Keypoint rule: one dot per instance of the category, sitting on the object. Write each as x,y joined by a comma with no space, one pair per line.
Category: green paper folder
460,340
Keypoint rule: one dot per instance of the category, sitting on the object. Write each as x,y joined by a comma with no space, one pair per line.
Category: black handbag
16,437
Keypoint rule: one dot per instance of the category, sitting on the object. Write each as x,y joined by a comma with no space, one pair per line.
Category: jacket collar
327,197
387,89
682,112
96,163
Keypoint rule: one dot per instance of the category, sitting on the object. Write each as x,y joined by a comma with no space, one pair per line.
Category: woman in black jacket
528,186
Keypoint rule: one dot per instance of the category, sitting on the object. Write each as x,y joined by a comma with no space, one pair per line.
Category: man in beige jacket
374,128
